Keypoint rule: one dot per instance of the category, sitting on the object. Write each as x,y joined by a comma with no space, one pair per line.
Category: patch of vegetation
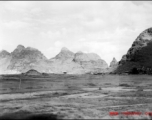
105,93
59,94
124,85
107,83
146,94
64,93
139,88
126,67
29,87
91,84
100,88
28,116
141,62
13,88
5,100
134,71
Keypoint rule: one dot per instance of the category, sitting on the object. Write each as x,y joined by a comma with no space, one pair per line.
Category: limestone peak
20,47
4,53
64,49
113,62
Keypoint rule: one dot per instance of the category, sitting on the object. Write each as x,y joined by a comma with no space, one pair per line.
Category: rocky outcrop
90,62
27,53
4,54
65,54
80,56
5,58
113,63
24,59
76,63
113,66
32,72
63,62
139,55
141,41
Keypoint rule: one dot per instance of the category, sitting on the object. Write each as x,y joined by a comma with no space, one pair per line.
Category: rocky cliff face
63,62
141,41
90,62
140,53
113,66
65,54
27,53
23,59
4,54
67,61
80,56
5,58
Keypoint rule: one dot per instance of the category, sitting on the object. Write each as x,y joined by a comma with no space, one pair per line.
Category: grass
70,85
146,94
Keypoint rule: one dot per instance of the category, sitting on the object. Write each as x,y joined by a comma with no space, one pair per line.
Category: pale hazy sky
107,28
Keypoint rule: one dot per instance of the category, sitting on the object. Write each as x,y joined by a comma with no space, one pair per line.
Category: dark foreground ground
75,96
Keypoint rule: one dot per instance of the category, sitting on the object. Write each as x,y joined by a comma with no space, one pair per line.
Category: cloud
15,24
59,44
141,2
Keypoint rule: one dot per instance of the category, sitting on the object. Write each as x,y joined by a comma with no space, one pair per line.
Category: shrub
124,85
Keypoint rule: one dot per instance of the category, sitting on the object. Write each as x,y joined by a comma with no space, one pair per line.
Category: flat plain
75,96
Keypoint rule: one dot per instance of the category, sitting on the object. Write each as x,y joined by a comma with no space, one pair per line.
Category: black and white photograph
75,60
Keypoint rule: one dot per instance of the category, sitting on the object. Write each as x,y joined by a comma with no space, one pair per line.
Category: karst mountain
23,59
139,56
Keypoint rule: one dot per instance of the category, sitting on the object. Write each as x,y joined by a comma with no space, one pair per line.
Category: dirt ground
76,96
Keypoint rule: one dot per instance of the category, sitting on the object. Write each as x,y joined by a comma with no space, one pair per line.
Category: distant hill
77,63
24,59
32,72
90,62
5,59
139,56
137,59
